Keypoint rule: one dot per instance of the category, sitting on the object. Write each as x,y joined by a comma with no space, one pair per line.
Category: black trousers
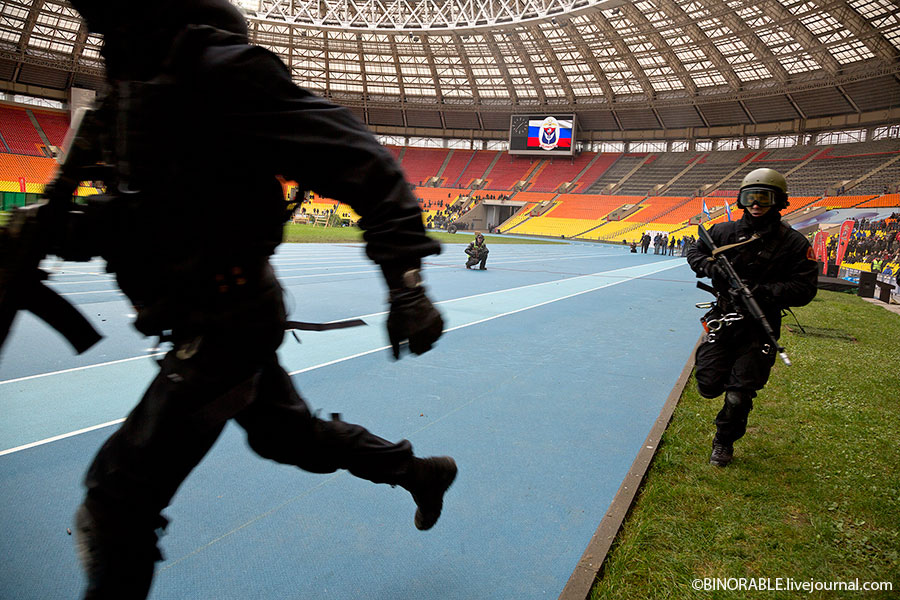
473,260
734,364
202,383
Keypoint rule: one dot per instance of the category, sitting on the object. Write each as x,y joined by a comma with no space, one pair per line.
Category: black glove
415,318
719,277
763,295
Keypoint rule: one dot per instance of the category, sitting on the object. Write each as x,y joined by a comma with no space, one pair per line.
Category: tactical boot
430,478
722,454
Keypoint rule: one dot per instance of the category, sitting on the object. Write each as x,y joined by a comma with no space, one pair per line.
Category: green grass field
295,232
814,491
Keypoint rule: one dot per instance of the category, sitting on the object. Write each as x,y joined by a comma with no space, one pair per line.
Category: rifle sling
722,249
304,326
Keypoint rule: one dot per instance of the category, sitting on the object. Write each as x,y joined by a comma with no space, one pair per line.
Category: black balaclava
765,221
138,35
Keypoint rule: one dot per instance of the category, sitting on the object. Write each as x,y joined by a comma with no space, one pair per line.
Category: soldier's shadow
821,332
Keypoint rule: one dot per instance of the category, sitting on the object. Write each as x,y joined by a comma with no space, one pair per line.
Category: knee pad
738,402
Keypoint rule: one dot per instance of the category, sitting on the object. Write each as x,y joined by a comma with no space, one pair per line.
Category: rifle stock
744,295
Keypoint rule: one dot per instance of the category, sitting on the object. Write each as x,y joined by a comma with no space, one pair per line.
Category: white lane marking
60,437
82,368
491,318
448,301
346,358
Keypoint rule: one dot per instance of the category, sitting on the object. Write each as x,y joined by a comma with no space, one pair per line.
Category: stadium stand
887,200
550,226
558,170
659,209
530,196
509,170
619,169
421,164
395,151
475,169
521,215
831,202
18,133
604,161
437,198
837,166
693,207
35,170
706,170
586,206
799,204
53,124
657,171
459,160
615,231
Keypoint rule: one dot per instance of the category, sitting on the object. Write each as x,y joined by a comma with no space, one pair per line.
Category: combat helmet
766,187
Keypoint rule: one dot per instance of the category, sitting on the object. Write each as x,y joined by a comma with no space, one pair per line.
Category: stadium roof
467,64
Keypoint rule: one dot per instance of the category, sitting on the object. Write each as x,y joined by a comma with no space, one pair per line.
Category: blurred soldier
777,264
477,251
200,125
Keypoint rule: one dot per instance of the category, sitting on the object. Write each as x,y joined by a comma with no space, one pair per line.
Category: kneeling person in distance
477,251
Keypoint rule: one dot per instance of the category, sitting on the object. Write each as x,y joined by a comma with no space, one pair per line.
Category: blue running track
554,364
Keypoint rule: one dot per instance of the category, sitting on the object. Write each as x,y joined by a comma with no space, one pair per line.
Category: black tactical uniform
781,272
477,251
201,123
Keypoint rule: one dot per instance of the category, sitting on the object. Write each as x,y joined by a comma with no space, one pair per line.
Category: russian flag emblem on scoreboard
549,134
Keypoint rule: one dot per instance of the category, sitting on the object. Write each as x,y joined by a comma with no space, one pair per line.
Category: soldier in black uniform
200,125
779,267
478,252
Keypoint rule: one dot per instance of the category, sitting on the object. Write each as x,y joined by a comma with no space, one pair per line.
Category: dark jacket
476,250
211,123
780,268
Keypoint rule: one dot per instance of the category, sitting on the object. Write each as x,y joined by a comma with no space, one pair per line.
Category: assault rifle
741,292
39,229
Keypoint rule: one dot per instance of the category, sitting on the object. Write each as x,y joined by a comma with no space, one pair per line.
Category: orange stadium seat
660,209
508,170
797,203
558,170
421,164
36,170
54,125
842,201
589,206
18,133
603,163
458,161
476,168
885,201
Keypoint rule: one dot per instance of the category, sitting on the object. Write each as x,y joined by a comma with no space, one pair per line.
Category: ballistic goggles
757,195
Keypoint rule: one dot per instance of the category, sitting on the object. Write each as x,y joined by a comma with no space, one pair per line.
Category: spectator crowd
875,243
